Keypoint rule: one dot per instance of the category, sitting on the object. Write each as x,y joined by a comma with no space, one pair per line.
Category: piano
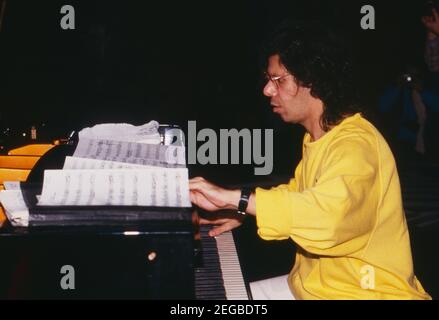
120,263
162,259
219,276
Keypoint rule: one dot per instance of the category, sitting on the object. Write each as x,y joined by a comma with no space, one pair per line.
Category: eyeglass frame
276,79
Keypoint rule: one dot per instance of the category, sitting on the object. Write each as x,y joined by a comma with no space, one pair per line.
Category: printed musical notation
72,163
125,187
131,152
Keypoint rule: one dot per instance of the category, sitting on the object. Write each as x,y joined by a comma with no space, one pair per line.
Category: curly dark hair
319,59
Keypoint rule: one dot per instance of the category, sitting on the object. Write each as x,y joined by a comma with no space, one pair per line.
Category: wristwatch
243,201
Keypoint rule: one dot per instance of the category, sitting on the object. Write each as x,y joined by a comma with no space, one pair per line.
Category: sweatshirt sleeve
292,184
337,214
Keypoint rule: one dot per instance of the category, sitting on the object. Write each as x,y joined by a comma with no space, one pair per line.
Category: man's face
288,99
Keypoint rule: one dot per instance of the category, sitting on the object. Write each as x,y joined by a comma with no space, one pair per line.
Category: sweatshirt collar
327,136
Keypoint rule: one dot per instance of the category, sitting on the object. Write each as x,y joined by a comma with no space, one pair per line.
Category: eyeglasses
277,80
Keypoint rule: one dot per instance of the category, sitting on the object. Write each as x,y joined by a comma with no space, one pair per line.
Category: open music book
110,169
157,187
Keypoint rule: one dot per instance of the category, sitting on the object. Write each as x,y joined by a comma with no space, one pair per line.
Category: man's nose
270,89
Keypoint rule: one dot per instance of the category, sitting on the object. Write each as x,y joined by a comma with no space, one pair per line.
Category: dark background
175,61
136,61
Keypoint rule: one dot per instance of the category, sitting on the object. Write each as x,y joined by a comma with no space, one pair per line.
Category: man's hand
210,197
431,23
224,221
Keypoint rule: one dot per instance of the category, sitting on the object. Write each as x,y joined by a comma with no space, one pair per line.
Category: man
431,24
343,206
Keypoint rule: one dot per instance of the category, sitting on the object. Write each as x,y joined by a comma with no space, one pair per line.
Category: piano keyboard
219,277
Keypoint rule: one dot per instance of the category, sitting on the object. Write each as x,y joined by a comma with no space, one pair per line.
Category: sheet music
147,133
131,152
147,187
75,163
15,207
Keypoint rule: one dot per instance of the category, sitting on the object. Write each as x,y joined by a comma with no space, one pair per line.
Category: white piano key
231,269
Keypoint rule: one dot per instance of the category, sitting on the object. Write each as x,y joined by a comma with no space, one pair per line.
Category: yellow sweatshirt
343,209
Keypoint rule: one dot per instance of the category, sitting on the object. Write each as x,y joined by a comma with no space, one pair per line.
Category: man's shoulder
358,128
354,147
360,145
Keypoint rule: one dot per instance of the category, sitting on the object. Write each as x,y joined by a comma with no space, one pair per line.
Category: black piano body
132,260
115,252
154,253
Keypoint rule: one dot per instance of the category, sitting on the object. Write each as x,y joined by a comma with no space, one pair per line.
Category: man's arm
336,215
211,197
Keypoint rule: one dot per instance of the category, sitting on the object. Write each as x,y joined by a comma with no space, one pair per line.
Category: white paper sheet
147,133
15,207
75,163
161,187
131,152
